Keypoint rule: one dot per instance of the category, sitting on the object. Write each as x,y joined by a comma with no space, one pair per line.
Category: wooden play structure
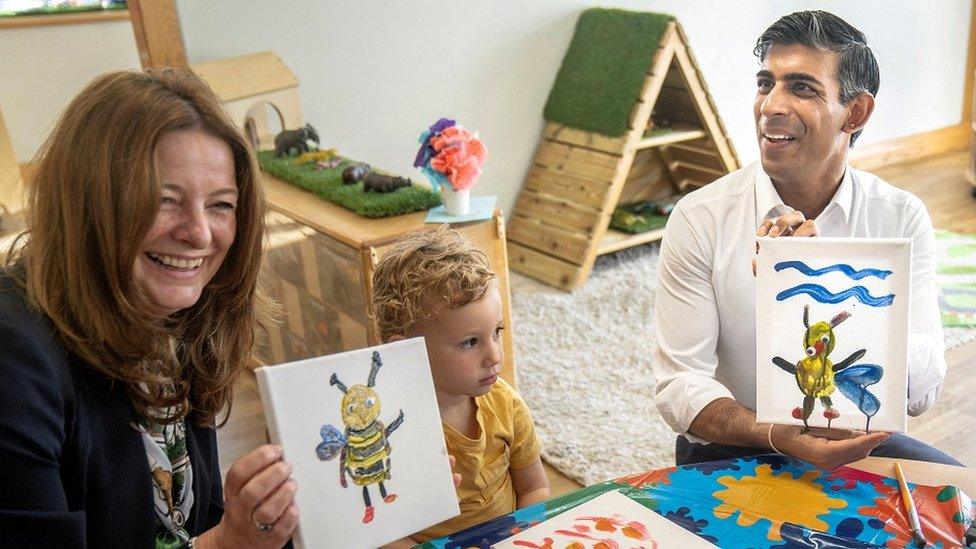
675,144
259,91
11,185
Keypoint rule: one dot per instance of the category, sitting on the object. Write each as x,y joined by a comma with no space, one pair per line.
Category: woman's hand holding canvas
363,431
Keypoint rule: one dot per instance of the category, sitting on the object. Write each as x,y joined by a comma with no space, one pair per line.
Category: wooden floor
950,425
940,182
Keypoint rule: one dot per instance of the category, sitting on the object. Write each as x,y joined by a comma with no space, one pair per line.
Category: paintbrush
906,498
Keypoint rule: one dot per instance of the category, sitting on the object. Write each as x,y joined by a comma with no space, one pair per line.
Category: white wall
375,73
43,68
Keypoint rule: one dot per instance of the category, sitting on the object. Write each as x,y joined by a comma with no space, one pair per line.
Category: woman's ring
264,527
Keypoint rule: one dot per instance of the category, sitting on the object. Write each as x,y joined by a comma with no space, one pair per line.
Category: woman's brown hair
92,199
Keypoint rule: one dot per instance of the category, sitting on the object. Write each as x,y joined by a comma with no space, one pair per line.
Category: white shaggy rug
583,362
584,368
955,337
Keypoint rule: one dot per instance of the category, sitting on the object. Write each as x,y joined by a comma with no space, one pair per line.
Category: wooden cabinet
319,263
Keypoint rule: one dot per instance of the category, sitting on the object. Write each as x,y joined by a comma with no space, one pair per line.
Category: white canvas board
612,518
299,400
857,292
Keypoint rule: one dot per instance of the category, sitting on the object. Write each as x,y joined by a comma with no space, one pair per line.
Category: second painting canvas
832,332
609,521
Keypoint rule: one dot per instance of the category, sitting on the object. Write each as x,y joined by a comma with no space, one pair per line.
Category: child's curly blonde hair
424,273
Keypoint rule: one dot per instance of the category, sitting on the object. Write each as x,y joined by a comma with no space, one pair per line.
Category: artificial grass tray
327,183
636,218
604,69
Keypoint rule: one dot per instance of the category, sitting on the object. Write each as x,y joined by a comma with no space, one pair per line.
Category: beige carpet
583,362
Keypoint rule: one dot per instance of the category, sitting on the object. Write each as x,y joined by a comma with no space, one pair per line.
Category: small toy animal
384,183
314,156
330,164
295,139
355,173
363,450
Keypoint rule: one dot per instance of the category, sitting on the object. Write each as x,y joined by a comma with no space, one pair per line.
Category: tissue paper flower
450,155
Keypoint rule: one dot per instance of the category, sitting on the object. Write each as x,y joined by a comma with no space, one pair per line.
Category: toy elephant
295,139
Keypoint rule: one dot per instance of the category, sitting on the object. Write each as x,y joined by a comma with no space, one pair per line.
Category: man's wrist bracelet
769,438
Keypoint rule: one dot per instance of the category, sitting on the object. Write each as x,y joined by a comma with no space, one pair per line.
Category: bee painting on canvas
363,447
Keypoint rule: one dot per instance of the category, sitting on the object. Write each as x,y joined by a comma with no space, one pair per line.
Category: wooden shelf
333,220
667,138
614,241
319,265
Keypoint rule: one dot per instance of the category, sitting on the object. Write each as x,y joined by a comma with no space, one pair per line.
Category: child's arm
531,484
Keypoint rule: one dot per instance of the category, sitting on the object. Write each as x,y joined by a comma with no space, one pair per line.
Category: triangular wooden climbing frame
577,178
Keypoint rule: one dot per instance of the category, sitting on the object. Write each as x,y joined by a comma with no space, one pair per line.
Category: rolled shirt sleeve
926,343
687,321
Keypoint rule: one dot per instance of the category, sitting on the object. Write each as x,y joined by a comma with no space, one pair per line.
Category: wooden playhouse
259,91
671,142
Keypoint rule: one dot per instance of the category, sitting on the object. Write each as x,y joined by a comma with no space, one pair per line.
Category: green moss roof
604,68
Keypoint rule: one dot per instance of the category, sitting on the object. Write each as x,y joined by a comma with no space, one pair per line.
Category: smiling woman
195,224
125,319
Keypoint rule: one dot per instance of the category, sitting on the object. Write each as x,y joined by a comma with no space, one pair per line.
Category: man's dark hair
857,69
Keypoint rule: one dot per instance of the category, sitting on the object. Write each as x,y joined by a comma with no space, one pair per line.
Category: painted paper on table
832,331
606,521
363,431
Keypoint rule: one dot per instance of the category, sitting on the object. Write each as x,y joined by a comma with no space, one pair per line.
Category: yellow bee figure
364,448
815,373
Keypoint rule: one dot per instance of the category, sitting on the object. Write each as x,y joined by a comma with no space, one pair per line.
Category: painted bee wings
333,441
853,382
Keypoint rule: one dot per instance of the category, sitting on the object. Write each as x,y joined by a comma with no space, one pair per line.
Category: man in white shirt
815,93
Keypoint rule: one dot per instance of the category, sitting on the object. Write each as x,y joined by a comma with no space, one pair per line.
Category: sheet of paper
611,520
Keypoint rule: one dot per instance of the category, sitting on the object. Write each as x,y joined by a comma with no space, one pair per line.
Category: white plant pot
456,202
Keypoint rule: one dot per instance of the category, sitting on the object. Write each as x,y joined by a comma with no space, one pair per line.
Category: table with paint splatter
763,502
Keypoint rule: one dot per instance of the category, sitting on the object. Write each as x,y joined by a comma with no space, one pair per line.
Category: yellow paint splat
777,498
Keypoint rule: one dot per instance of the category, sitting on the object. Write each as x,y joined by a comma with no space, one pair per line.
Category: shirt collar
770,205
844,197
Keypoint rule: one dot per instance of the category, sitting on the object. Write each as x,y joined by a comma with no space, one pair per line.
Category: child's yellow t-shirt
507,441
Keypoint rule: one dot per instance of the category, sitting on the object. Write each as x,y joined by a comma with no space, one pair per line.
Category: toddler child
435,284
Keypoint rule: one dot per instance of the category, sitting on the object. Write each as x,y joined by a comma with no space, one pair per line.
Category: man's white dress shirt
705,305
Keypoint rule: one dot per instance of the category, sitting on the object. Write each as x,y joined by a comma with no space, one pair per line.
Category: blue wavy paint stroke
822,295
851,272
